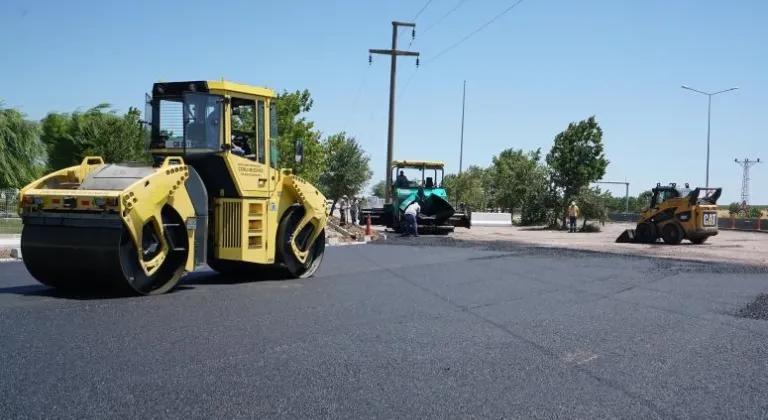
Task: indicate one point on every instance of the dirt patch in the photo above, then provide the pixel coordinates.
(348, 232)
(727, 246)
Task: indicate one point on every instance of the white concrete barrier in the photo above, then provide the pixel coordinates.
(491, 219)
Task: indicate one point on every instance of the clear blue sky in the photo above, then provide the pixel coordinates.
(542, 65)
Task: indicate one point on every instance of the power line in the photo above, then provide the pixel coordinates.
(416, 17)
(448, 13)
(485, 25)
(357, 95)
(407, 82)
(422, 9)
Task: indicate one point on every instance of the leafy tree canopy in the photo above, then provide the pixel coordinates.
(593, 204)
(472, 187)
(346, 167)
(577, 157)
(292, 126)
(514, 173)
(21, 152)
(98, 131)
(379, 189)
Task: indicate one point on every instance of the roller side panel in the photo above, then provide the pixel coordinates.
(214, 174)
(198, 194)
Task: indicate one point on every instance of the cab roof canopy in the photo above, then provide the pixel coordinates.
(417, 164)
(179, 88)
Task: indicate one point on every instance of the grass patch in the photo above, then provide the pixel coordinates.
(10, 226)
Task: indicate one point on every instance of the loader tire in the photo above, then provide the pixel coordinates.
(646, 233)
(672, 234)
(285, 231)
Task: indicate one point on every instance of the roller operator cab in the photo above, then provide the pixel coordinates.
(420, 181)
(214, 195)
(674, 215)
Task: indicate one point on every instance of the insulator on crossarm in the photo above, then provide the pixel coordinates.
(417, 61)
(370, 59)
(413, 33)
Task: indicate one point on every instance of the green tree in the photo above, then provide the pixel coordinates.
(379, 189)
(733, 208)
(576, 159)
(519, 179)
(21, 152)
(98, 131)
(471, 188)
(538, 199)
(642, 201)
(347, 167)
(593, 204)
(754, 212)
(292, 126)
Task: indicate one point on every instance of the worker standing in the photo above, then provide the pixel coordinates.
(353, 207)
(573, 214)
(343, 210)
(411, 213)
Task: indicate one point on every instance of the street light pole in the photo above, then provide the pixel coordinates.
(709, 119)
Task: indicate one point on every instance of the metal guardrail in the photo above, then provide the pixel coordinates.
(9, 203)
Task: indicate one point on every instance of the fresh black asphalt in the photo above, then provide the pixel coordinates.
(445, 331)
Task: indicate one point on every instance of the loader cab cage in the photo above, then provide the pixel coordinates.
(422, 174)
(194, 118)
(663, 193)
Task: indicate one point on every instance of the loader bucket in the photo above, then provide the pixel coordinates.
(627, 236)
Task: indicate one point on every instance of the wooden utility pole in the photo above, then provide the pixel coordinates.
(394, 53)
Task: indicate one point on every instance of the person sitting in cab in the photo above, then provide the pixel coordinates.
(402, 180)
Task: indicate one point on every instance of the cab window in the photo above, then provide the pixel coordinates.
(244, 127)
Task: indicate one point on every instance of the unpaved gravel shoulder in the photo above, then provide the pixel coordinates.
(727, 246)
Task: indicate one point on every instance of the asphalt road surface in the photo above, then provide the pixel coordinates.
(396, 332)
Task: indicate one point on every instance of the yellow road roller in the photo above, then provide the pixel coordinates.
(214, 195)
